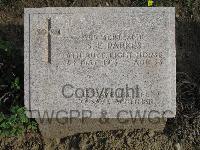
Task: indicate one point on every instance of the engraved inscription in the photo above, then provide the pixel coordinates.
(123, 46)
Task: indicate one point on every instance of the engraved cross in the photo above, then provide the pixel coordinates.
(48, 32)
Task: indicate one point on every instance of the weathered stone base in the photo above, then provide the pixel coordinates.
(59, 128)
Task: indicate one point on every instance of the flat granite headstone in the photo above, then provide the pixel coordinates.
(96, 63)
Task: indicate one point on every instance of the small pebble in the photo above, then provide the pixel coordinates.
(177, 146)
(151, 133)
(107, 4)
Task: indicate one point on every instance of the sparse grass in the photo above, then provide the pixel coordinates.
(16, 123)
(13, 120)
